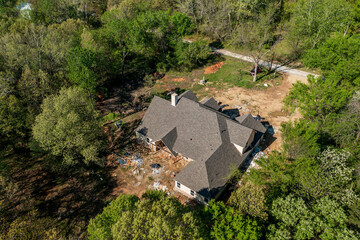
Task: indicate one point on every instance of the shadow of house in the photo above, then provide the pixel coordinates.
(210, 140)
(232, 113)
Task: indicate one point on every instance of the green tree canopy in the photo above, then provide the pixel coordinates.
(337, 57)
(249, 199)
(301, 138)
(182, 24)
(318, 98)
(191, 55)
(313, 21)
(29, 226)
(156, 216)
(100, 227)
(345, 126)
(326, 219)
(69, 127)
(33, 60)
(81, 63)
(326, 175)
(12, 119)
(47, 11)
(275, 172)
(227, 223)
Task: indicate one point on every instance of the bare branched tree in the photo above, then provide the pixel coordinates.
(257, 33)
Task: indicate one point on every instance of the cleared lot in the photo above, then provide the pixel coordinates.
(264, 98)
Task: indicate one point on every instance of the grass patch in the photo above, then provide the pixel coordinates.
(232, 73)
(177, 74)
(111, 117)
(132, 117)
(236, 73)
(165, 94)
(197, 87)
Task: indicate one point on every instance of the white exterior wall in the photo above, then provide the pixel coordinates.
(184, 188)
(187, 191)
(239, 148)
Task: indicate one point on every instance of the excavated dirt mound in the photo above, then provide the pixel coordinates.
(213, 68)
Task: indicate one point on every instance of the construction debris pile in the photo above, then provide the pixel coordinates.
(137, 170)
(159, 186)
(127, 160)
(256, 155)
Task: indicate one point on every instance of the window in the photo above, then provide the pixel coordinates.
(192, 193)
(178, 185)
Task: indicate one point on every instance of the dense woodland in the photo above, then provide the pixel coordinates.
(58, 57)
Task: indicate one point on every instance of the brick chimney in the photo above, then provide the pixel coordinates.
(174, 99)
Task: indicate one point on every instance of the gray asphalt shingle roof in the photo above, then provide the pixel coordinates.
(158, 120)
(249, 121)
(238, 134)
(201, 133)
(211, 102)
(189, 95)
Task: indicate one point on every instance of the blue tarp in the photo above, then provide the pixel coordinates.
(121, 162)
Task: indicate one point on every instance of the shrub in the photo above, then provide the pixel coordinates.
(191, 55)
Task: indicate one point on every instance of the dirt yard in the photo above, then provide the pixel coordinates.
(264, 100)
(267, 103)
(133, 178)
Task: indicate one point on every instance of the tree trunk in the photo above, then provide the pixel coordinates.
(357, 137)
(91, 99)
(346, 30)
(271, 62)
(255, 72)
(123, 67)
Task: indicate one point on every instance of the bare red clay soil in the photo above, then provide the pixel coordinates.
(214, 68)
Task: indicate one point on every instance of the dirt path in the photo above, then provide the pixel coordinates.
(267, 103)
(277, 67)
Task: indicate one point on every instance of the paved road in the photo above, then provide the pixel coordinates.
(278, 67)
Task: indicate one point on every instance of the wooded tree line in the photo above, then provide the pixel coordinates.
(54, 61)
(49, 51)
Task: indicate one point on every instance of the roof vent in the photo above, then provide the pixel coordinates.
(174, 99)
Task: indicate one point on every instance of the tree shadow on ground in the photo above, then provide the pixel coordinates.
(126, 135)
(83, 195)
(216, 44)
(71, 197)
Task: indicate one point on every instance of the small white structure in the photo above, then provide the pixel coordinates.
(174, 99)
(25, 9)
